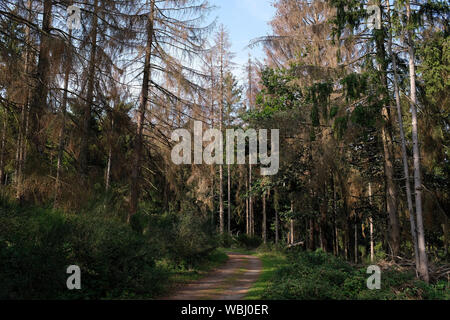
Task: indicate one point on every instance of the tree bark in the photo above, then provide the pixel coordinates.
(276, 227)
(386, 135)
(264, 222)
(84, 149)
(139, 140)
(403, 144)
(62, 132)
(371, 226)
(23, 126)
(423, 259)
(2, 150)
(229, 199)
(40, 92)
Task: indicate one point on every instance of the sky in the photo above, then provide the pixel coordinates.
(245, 20)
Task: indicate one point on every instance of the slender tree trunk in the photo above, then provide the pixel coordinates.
(403, 144)
(312, 245)
(336, 235)
(292, 224)
(40, 92)
(276, 227)
(2, 150)
(213, 168)
(62, 132)
(221, 209)
(264, 222)
(139, 140)
(42, 69)
(371, 225)
(423, 259)
(356, 241)
(386, 132)
(84, 149)
(108, 166)
(229, 199)
(247, 213)
(250, 201)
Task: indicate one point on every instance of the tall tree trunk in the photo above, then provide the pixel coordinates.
(139, 140)
(108, 166)
(336, 235)
(423, 259)
(371, 225)
(323, 220)
(229, 199)
(221, 99)
(403, 144)
(250, 201)
(292, 225)
(41, 89)
(62, 132)
(312, 245)
(386, 133)
(2, 150)
(264, 222)
(23, 126)
(276, 227)
(247, 213)
(86, 123)
(356, 240)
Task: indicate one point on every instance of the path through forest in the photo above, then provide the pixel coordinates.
(229, 282)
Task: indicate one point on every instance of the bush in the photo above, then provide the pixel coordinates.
(320, 276)
(38, 245)
(185, 239)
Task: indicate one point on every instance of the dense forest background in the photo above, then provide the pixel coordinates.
(86, 117)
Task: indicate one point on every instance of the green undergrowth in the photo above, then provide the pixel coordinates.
(117, 260)
(321, 276)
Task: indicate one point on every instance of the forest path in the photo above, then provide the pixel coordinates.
(229, 282)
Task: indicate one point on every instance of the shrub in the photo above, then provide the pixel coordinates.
(37, 246)
(318, 276)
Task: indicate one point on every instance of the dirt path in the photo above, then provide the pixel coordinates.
(229, 282)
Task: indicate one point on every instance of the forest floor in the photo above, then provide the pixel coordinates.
(231, 281)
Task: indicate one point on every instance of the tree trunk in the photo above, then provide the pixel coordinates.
(108, 166)
(403, 144)
(221, 209)
(386, 132)
(40, 92)
(139, 140)
(423, 259)
(264, 222)
(247, 217)
(23, 126)
(371, 225)
(84, 149)
(250, 202)
(312, 245)
(2, 150)
(336, 234)
(62, 132)
(229, 200)
(276, 227)
(292, 224)
(356, 240)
